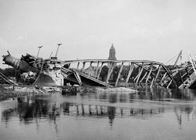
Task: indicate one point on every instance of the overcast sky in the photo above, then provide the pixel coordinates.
(139, 29)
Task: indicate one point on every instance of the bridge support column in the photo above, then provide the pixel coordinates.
(159, 68)
(119, 73)
(83, 66)
(100, 70)
(140, 74)
(130, 72)
(97, 69)
(109, 72)
(151, 67)
(78, 65)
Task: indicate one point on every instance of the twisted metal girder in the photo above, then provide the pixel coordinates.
(147, 72)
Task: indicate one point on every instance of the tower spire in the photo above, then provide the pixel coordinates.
(112, 53)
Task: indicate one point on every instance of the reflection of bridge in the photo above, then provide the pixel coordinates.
(142, 105)
(119, 73)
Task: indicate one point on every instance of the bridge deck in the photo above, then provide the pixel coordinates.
(81, 77)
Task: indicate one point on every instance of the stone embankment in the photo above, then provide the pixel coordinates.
(105, 90)
(71, 90)
(11, 91)
(7, 91)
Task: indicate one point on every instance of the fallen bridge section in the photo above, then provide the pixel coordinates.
(186, 77)
(120, 73)
(80, 78)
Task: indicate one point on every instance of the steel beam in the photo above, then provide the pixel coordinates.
(159, 68)
(83, 66)
(100, 70)
(163, 77)
(119, 73)
(170, 76)
(78, 65)
(140, 74)
(130, 72)
(152, 82)
(111, 67)
(169, 84)
(97, 69)
(143, 77)
(151, 67)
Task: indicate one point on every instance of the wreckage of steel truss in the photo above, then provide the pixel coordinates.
(107, 73)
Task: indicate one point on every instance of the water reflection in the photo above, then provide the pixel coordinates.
(145, 104)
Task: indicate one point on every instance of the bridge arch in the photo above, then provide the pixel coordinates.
(124, 72)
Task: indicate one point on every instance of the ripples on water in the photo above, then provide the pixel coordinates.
(148, 114)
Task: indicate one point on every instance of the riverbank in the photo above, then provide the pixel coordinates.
(11, 91)
(7, 91)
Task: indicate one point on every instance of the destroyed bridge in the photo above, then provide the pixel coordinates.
(100, 72)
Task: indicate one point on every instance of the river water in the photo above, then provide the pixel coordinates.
(149, 114)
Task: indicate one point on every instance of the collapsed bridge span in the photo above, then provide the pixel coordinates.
(103, 72)
(123, 72)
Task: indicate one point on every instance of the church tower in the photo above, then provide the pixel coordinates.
(112, 53)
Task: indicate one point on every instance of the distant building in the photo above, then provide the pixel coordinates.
(112, 56)
(112, 53)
